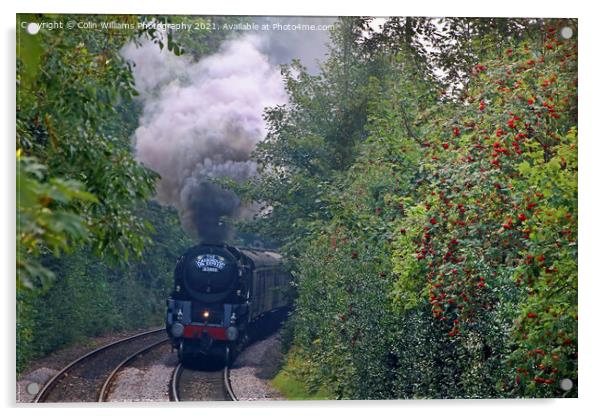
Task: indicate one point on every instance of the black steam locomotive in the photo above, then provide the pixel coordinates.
(221, 295)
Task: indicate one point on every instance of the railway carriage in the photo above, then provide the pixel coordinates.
(222, 295)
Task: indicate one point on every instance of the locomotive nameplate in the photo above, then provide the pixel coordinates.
(210, 263)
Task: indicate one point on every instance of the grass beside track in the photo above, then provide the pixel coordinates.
(292, 387)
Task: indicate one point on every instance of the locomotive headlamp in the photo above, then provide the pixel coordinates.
(206, 314)
(177, 330)
(232, 333)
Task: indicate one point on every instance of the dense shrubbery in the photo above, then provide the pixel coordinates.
(443, 261)
(93, 255)
(430, 222)
(74, 103)
(90, 297)
(496, 245)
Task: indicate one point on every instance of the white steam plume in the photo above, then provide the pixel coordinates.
(201, 120)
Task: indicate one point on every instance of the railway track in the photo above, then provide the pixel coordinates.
(109, 381)
(88, 378)
(91, 377)
(201, 384)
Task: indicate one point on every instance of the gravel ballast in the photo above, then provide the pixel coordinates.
(40, 371)
(254, 368)
(147, 379)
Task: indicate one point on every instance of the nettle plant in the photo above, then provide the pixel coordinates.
(492, 244)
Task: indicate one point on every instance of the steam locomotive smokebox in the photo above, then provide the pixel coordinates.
(209, 272)
(224, 296)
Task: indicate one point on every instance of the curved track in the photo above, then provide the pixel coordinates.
(106, 387)
(87, 378)
(201, 384)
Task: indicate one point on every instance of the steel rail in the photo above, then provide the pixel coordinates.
(173, 383)
(104, 391)
(41, 396)
(228, 384)
(227, 377)
(174, 395)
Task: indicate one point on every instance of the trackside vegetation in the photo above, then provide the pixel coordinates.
(427, 201)
(95, 253)
(422, 186)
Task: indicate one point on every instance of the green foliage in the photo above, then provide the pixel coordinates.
(69, 117)
(91, 298)
(311, 141)
(206, 36)
(46, 221)
(93, 255)
(425, 196)
(290, 381)
(447, 49)
(500, 195)
(440, 260)
(546, 334)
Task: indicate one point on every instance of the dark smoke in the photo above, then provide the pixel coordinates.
(210, 204)
(202, 120)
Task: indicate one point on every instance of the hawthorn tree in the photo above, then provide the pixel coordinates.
(442, 261)
(496, 222)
